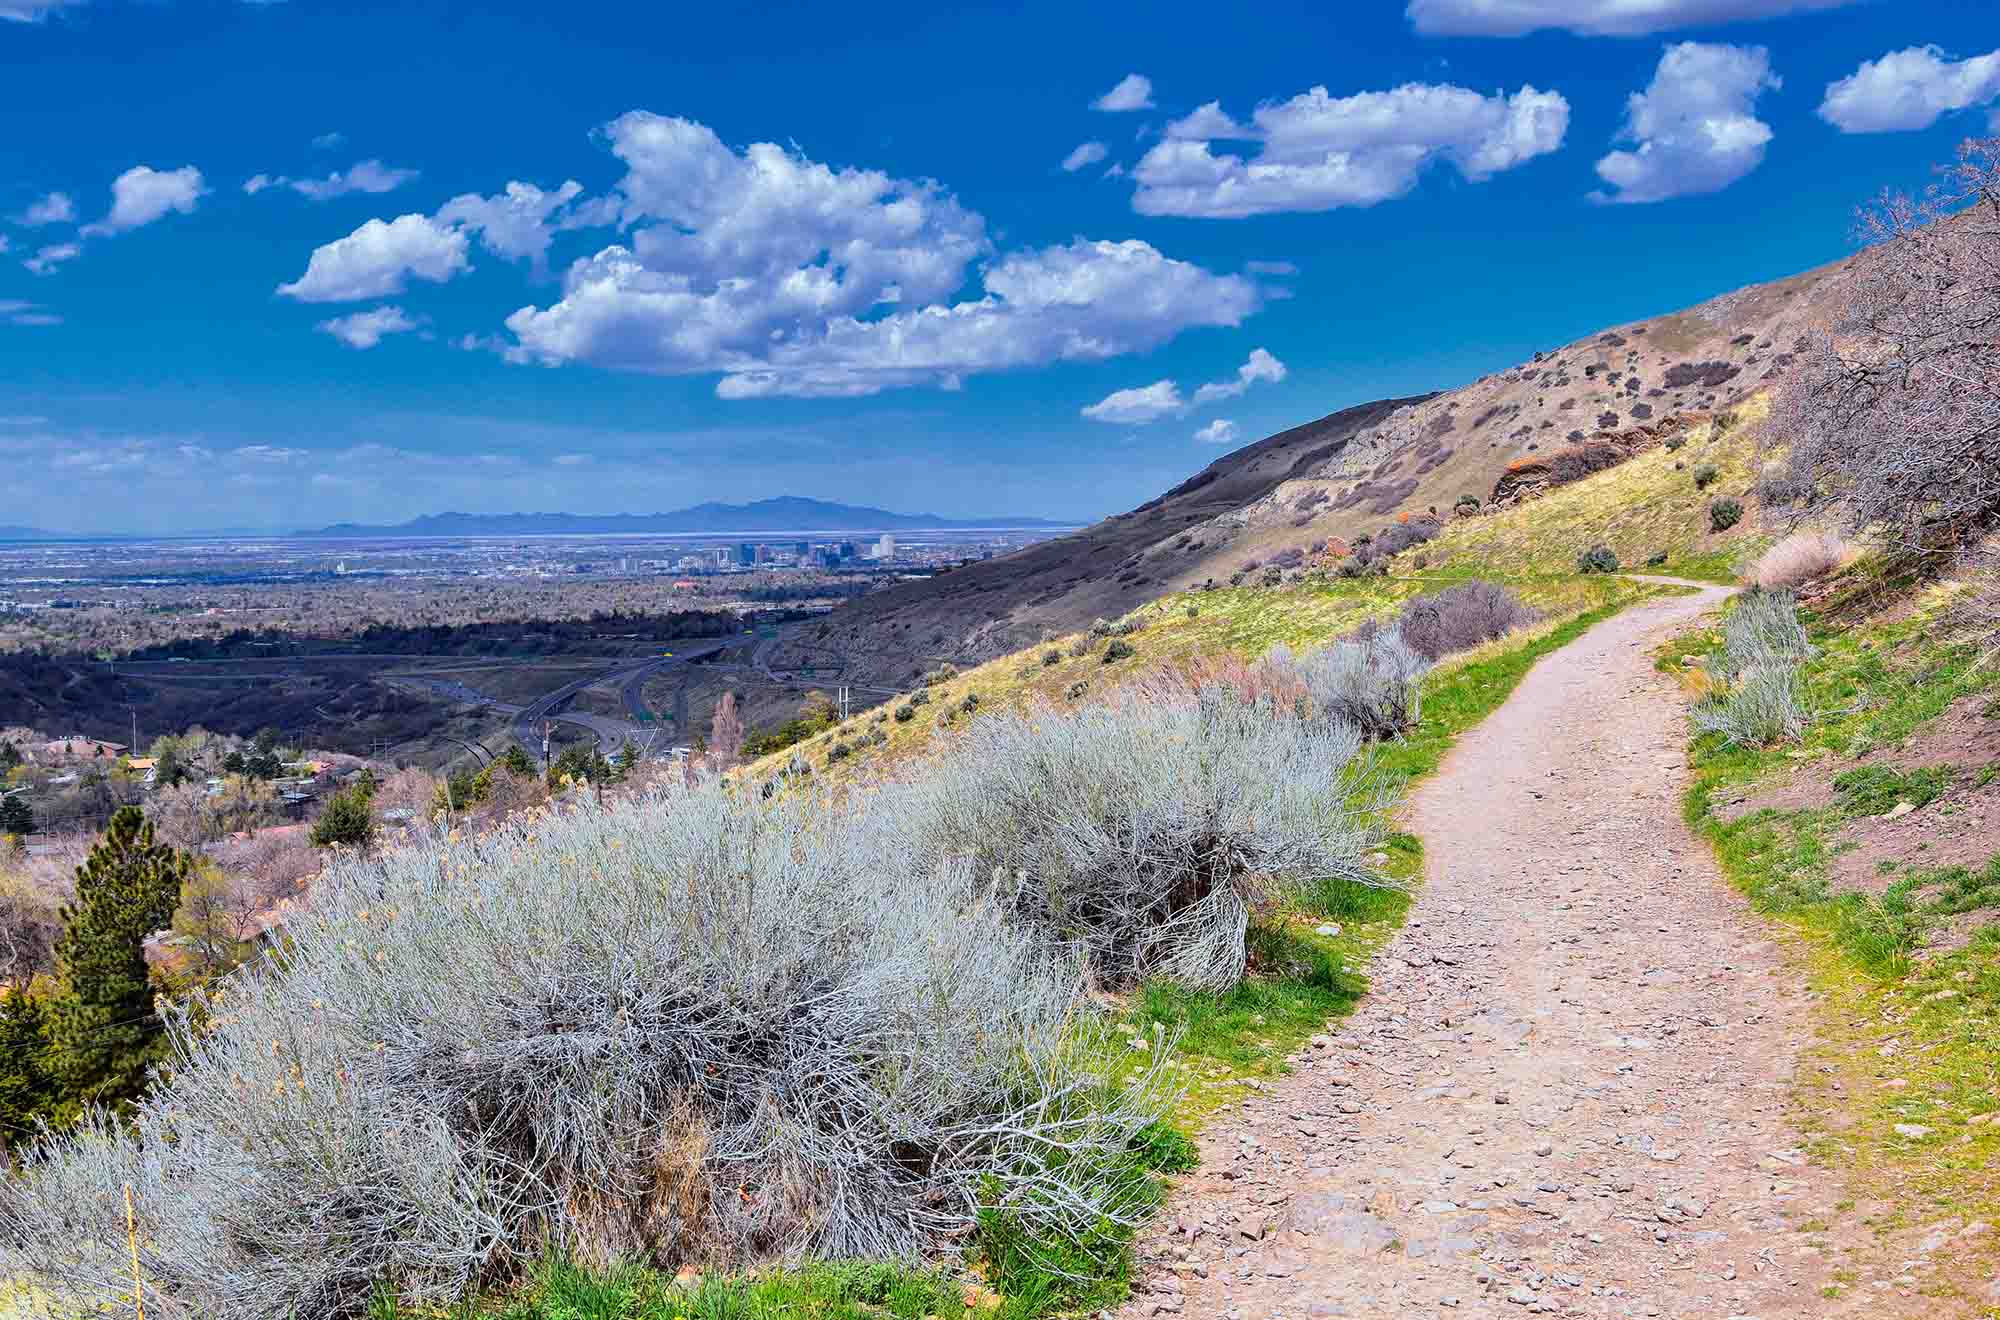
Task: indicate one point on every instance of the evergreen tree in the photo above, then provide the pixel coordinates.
(519, 764)
(581, 763)
(27, 1091)
(348, 819)
(102, 1030)
(168, 772)
(16, 816)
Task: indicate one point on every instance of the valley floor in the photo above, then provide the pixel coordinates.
(1567, 1091)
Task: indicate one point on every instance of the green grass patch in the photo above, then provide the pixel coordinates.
(1870, 790)
(1907, 1048)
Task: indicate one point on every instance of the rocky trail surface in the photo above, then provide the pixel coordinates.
(1566, 1092)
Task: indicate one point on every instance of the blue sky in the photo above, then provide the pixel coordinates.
(620, 258)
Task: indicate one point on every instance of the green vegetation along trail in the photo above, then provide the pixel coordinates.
(1567, 1090)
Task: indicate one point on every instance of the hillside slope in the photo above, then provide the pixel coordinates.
(1276, 501)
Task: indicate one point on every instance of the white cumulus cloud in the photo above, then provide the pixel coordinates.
(367, 329)
(1261, 367)
(367, 176)
(1088, 153)
(1207, 123)
(378, 259)
(54, 209)
(1694, 125)
(1594, 18)
(1133, 92)
(1149, 403)
(143, 194)
(1221, 431)
(1317, 151)
(514, 224)
(1909, 89)
(790, 277)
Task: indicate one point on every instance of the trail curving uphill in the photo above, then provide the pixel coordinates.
(1566, 1090)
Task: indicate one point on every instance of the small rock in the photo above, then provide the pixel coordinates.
(1545, 1150)
(1327, 928)
(1914, 1131)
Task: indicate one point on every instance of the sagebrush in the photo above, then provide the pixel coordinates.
(693, 1029)
(1141, 835)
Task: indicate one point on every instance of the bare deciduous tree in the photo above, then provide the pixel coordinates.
(725, 734)
(1893, 415)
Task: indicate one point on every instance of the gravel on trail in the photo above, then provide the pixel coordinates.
(1566, 1090)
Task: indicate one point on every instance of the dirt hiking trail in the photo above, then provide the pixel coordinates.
(1565, 1092)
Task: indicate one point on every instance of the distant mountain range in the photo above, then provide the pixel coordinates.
(789, 513)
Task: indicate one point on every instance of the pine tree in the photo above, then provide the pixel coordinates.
(518, 762)
(16, 816)
(27, 1091)
(102, 1030)
(168, 771)
(347, 819)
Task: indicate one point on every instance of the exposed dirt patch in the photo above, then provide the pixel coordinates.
(1963, 736)
(1959, 829)
(1805, 789)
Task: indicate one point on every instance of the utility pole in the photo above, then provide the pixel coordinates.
(547, 726)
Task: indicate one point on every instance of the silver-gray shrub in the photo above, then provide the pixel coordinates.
(1762, 706)
(1762, 629)
(1142, 834)
(1373, 683)
(690, 1029)
(1758, 698)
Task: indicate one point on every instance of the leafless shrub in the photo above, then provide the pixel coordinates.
(30, 921)
(1460, 618)
(725, 734)
(1799, 559)
(1394, 539)
(1250, 680)
(411, 790)
(1895, 424)
(694, 1030)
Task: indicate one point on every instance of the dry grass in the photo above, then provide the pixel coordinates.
(1641, 508)
(1800, 558)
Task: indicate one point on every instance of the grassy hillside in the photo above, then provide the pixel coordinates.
(1643, 508)
(1349, 474)
(1874, 841)
(1247, 621)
